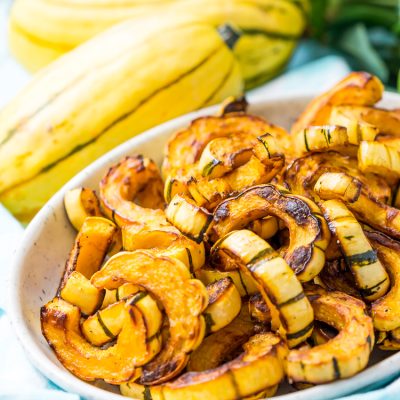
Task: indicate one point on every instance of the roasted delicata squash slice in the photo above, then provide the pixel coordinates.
(382, 121)
(90, 248)
(131, 193)
(79, 204)
(186, 146)
(357, 129)
(324, 138)
(379, 158)
(106, 324)
(344, 355)
(78, 291)
(244, 283)
(308, 239)
(304, 172)
(366, 208)
(385, 310)
(121, 293)
(166, 241)
(184, 299)
(358, 88)
(224, 303)
(259, 367)
(116, 364)
(291, 312)
(192, 220)
(370, 276)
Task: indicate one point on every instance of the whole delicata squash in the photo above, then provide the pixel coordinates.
(345, 354)
(184, 300)
(257, 368)
(308, 237)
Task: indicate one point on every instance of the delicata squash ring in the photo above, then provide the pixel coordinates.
(259, 367)
(353, 193)
(308, 237)
(291, 312)
(61, 328)
(134, 178)
(385, 310)
(369, 274)
(184, 299)
(344, 355)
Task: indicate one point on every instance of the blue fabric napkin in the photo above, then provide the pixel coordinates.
(19, 380)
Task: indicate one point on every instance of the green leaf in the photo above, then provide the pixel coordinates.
(355, 42)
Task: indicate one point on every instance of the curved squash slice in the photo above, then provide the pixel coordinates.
(81, 203)
(90, 248)
(116, 364)
(192, 220)
(385, 310)
(304, 172)
(134, 178)
(344, 355)
(358, 88)
(183, 299)
(379, 159)
(224, 304)
(244, 283)
(166, 241)
(259, 367)
(369, 274)
(291, 312)
(186, 146)
(106, 324)
(366, 208)
(324, 138)
(378, 119)
(305, 253)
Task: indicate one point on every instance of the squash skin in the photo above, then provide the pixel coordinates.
(354, 194)
(369, 274)
(344, 355)
(291, 312)
(184, 299)
(259, 367)
(357, 88)
(385, 311)
(308, 239)
(117, 364)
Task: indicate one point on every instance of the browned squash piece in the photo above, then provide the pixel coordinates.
(224, 303)
(385, 311)
(259, 310)
(90, 248)
(131, 192)
(308, 239)
(116, 364)
(344, 355)
(385, 121)
(358, 88)
(186, 146)
(354, 194)
(216, 348)
(81, 203)
(259, 367)
(184, 299)
(304, 172)
(389, 340)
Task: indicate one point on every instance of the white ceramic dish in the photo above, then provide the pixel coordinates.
(41, 257)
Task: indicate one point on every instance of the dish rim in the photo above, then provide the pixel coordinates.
(383, 370)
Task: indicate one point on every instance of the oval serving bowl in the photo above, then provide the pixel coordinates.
(40, 260)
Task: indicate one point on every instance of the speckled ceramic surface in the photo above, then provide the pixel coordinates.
(41, 257)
